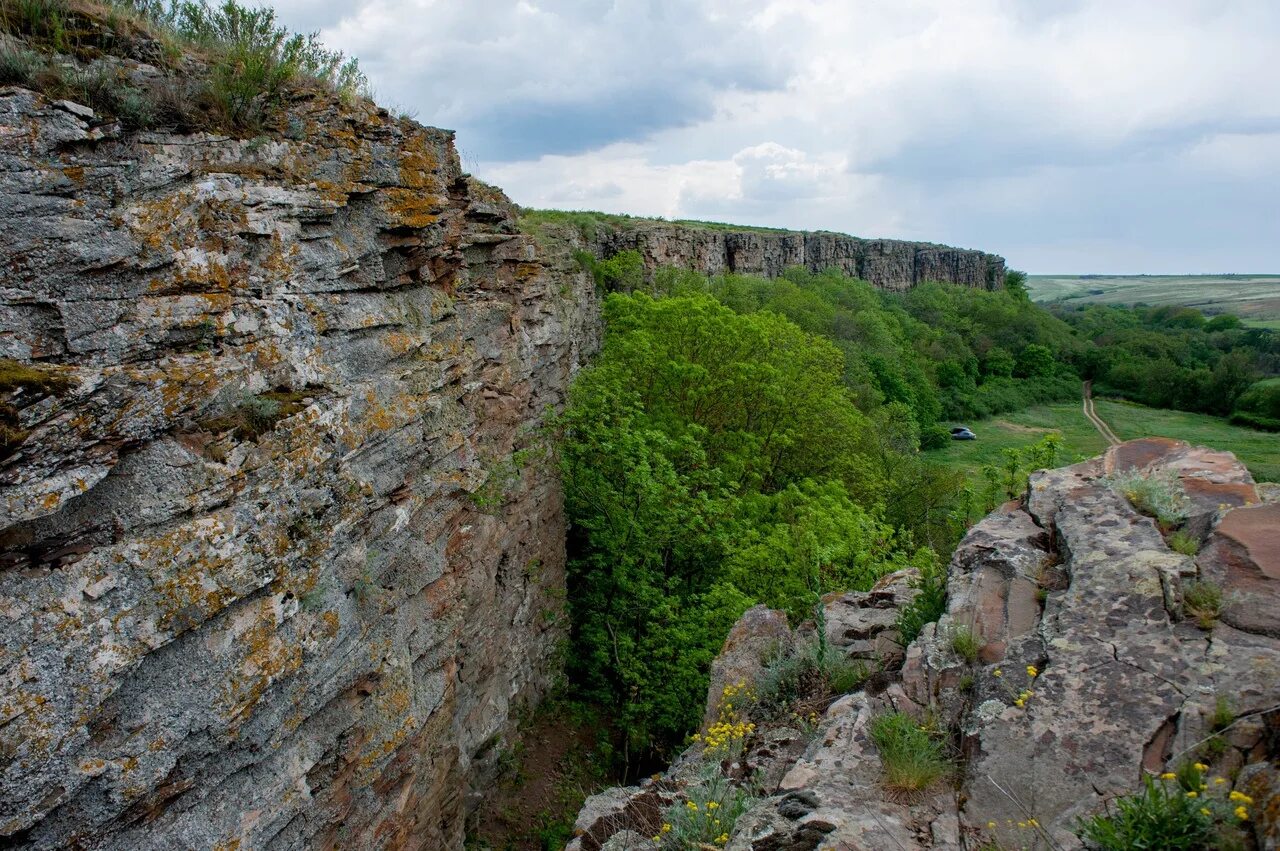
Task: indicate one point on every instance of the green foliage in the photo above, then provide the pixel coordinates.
(1184, 542)
(242, 62)
(912, 757)
(1158, 496)
(1178, 811)
(809, 673)
(707, 817)
(1015, 282)
(1223, 715)
(711, 460)
(965, 643)
(1202, 600)
(928, 605)
(1259, 406)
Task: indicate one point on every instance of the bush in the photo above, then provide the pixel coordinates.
(809, 675)
(1178, 811)
(927, 606)
(912, 758)
(1158, 496)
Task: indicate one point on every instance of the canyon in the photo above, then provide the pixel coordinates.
(283, 544)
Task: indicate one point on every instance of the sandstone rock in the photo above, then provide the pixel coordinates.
(761, 633)
(1261, 782)
(1243, 557)
(862, 624)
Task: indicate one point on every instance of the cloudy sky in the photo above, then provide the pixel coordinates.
(1069, 135)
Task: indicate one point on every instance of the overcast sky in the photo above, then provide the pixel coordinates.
(1068, 135)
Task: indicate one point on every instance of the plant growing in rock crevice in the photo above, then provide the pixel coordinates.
(1179, 811)
(912, 757)
(1155, 495)
(1202, 600)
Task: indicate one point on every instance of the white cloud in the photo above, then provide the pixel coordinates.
(1067, 135)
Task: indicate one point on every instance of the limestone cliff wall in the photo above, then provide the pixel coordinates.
(887, 263)
(278, 553)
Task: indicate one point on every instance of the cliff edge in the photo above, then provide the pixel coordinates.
(280, 545)
(1090, 666)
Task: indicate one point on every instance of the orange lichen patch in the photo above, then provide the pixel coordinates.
(268, 657)
(400, 343)
(527, 271)
(412, 208)
(74, 172)
(417, 163)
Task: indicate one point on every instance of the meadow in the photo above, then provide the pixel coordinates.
(1254, 298)
(1259, 450)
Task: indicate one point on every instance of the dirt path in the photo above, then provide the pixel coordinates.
(1092, 416)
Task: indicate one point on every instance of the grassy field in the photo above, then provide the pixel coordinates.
(1254, 298)
(1259, 450)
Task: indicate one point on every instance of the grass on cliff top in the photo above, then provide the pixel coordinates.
(589, 222)
(222, 67)
(1259, 450)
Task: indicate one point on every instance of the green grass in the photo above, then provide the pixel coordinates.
(1254, 298)
(1259, 450)
(1016, 431)
(912, 758)
(588, 221)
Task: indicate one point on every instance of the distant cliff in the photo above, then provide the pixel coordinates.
(713, 249)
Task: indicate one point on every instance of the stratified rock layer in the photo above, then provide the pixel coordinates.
(278, 565)
(887, 263)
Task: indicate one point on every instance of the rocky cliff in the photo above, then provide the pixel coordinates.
(1088, 670)
(280, 549)
(886, 263)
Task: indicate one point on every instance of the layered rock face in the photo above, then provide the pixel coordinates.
(886, 263)
(1089, 672)
(280, 550)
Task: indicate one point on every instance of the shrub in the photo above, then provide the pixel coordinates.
(708, 815)
(808, 675)
(1184, 542)
(927, 606)
(1178, 811)
(1158, 496)
(912, 758)
(1203, 601)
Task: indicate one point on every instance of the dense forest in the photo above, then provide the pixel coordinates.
(742, 440)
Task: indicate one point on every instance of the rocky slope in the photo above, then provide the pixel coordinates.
(1088, 674)
(886, 263)
(279, 551)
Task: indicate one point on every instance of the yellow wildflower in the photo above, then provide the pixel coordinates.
(711, 805)
(1242, 814)
(1204, 811)
(666, 828)
(1033, 671)
(692, 806)
(997, 673)
(1218, 781)
(1240, 798)
(1033, 822)
(991, 825)
(1200, 766)
(1168, 775)
(1193, 794)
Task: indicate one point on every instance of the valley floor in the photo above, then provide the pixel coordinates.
(1259, 450)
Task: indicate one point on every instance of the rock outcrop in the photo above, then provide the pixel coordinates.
(280, 551)
(1083, 674)
(886, 263)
